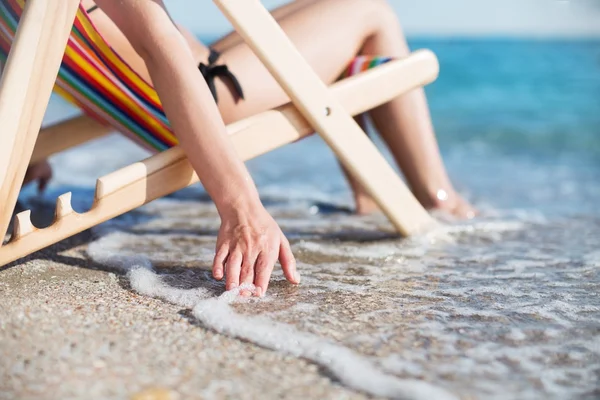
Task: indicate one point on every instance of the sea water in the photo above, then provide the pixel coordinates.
(504, 306)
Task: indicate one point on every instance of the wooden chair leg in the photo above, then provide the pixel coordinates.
(312, 98)
(25, 88)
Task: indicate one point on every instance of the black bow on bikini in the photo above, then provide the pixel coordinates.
(211, 71)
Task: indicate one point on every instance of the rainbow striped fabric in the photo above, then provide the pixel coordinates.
(94, 78)
(363, 63)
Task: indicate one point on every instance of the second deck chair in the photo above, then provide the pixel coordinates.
(113, 97)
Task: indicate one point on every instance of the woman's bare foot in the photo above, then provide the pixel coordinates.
(41, 173)
(449, 202)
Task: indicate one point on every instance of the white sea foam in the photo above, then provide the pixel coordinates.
(148, 283)
(483, 312)
(350, 368)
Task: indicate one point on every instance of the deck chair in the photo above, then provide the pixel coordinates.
(114, 98)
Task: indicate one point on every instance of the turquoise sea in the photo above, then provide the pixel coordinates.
(503, 307)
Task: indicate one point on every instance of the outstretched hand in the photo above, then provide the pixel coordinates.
(248, 246)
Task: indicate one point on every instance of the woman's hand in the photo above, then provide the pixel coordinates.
(41, 173)
(249, 244)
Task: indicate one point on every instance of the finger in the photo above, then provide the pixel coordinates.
(247, 272)
(42, 184)
(262, 271)
(287, 261)
(232, 269)
(219, 262)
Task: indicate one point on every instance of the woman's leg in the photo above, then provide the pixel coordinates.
(329, 33)
(405, 125)
(314, 30)
(233, 38)
(365, 204)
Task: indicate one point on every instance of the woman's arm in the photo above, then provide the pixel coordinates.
(249, 237)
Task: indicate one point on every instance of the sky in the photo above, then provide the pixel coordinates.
(523, 18)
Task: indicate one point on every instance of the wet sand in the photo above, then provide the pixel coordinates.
(68, 330)
(486, 310)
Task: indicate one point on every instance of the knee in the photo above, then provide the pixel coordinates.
(378, 14)
(383, 14)
(385, 31)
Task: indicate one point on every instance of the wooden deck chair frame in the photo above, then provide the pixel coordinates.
(31, 70)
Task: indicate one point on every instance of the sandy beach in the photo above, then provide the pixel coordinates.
(69, 330)
(133, 311)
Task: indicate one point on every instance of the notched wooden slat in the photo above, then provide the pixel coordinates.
(22, 225)
(63, 207)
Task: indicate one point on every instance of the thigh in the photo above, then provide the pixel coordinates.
(233, 38)
(328, 33)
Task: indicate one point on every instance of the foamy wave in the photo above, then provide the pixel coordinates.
(352, 369)
(484, 311)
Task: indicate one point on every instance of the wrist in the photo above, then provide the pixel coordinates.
(242, 203)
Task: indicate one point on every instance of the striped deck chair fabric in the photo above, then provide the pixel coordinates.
(94, 78)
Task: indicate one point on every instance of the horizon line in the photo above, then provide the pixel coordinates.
(470, 36)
